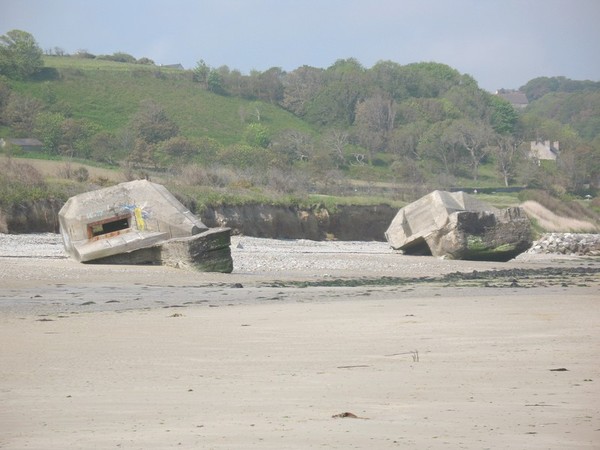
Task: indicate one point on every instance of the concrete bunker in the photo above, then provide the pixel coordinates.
(141, 222)
(459, 226)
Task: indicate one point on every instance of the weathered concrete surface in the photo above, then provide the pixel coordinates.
(459, 226)
(208, 251)
(140, 222)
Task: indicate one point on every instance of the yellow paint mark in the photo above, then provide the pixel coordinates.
(139, 219)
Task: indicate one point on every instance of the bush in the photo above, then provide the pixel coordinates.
(80, 174)
(243, 156)
(194, 175)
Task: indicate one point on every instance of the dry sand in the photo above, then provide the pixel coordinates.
(152, 357)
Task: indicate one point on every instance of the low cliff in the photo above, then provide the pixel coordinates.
(346, 223)
(39, 216)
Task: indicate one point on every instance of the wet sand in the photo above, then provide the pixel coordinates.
(153, 357)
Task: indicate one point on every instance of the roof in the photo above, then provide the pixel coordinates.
(516, 98)
(27, 142)
(173, 66)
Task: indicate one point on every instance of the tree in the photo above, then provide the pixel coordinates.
(475, 138)
(48, 129)
(65, 136)
(538, 87)
(266, 86)
(142, 155)
(76, 134)
(300, 86)
(438, 144)
(508, 155)
(214, 82)
(270, 86)
(201, 72)
(504, 116)
(20, 55)
(429, 79)
(257, 135)
(58, 51)
(211, 79)
(152, 125)
(118, 57)
(245, 156)
(470, 101)
(232, 80)
(105, 147)
(84, 54)
(20, 114)
(334, 105)
(178, 148)
(374, 121)
(336, 141)
(208, 149)
(5, 93)
(344, 84)
(388, 76)
(430, 110)
(404, 140)
(145, 61)
(293, 145)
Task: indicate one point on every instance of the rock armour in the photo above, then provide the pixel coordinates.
(577, 244)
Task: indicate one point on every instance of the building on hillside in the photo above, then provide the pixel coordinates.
(31, 144)
(172, 66)
(516, 98)
(546, 150)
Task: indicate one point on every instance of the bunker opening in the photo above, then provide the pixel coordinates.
(418, 247)
(108, 226)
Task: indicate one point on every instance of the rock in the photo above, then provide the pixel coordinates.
(574, 244)
(459, 226)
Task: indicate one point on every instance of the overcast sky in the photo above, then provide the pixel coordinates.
(501, 43)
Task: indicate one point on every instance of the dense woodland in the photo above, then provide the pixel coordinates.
(326, 130)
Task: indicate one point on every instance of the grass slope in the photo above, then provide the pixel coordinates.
(110, 93)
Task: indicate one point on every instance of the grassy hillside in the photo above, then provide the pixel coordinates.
(109, 94)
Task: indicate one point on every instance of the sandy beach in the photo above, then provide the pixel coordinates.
(304, 345)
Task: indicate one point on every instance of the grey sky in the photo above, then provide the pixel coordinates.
(501, 43)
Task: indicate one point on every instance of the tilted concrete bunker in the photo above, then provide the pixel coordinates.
(459, 226)
(140, 222)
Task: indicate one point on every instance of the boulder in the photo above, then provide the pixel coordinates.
(456, 225)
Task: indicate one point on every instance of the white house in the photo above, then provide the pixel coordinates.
(544, 150)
